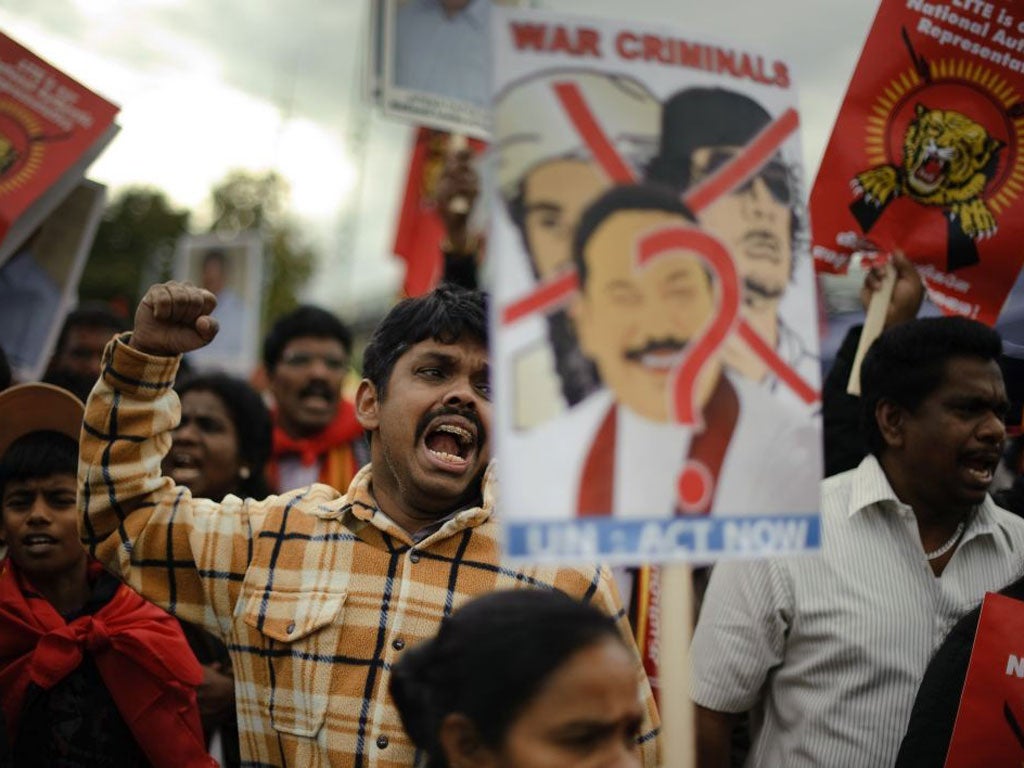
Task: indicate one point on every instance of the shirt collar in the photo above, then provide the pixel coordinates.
(871, 486)
(359, 504)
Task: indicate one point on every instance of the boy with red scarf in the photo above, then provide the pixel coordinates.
(316, 436)
(90, 673)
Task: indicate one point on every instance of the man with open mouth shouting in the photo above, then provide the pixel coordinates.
(319, 591)
(827, 651)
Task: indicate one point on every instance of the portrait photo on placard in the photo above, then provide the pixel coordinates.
(232, 269)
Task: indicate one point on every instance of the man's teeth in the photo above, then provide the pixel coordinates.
(661, 360)
(447, 456)
(464, 435)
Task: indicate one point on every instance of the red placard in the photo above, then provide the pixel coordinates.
(925, 155)
(989, 728)
(50, 127)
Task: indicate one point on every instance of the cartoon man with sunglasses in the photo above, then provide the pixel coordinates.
(702, 129)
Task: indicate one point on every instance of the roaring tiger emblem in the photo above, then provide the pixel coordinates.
(948, 159)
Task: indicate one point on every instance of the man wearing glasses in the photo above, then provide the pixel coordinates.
(702, 129)
(316, 435)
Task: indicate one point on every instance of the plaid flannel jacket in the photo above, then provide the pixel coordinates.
(316, 593)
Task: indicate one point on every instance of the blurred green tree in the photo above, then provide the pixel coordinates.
(134, 247)
(246, 200)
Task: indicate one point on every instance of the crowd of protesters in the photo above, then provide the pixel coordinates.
(191, 577)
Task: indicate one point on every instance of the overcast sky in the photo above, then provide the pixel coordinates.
(210, 85)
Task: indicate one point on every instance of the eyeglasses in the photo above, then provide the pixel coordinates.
(307, 359)
(774, 174)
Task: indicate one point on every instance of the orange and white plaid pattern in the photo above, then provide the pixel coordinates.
(316, 593)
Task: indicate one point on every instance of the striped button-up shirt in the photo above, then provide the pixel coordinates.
(316, 593)
(827, 650)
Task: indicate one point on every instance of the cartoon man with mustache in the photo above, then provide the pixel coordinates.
(636, 322)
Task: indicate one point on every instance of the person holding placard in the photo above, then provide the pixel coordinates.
(826, 651)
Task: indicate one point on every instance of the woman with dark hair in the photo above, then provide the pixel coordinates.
(223, 441)
(220, 447)
(522, 679)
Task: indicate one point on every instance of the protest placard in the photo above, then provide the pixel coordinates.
(655, 352)
(231, 266)
(39, 283)
(435, 64)
(989, 727)
(51, 129)
(925, 153)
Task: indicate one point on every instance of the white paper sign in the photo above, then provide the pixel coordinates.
(654, 309)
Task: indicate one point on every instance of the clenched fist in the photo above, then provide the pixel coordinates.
(174, 318)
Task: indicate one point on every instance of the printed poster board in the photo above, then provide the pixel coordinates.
(989, 729)
(231, 267)
(925, 154)
(39, 283)
(429, 62)
(656, 374)
(51, 129)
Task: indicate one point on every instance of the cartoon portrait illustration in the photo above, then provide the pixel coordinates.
(547, 176)
(670, 430)
(948, 160)
(702, 130)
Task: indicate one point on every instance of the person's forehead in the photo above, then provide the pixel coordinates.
(203, 400)
(61, 480)
(547, 179)
(89, 334)
(313, 344)
(964, 373)
(467, 348)
(628, 224)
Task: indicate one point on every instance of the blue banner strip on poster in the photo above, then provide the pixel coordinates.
(698, 539)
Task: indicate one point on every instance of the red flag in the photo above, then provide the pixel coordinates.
(420, 229)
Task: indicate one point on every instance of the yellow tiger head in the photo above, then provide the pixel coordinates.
(942, 151)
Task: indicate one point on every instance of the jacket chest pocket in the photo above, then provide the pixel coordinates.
(300, 631)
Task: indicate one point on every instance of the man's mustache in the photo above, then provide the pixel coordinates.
(469, 414)
(318, 388)
(667, 345)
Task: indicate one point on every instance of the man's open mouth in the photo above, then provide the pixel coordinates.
(451, 440)
(980, 468)
(35, 542)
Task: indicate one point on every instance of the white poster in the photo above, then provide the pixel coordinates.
(434, 68)
(656, 332)
(232, 268)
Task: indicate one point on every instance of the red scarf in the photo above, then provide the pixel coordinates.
(139, 650)
(344, 428)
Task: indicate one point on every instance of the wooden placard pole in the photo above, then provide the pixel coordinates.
(678, 721)
(873, 324)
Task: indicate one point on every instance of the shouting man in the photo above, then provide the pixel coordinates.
(318, 592)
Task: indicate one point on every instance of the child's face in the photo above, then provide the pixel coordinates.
(39, 524)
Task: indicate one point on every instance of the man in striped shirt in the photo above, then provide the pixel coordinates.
(826, 651)
(318, 592)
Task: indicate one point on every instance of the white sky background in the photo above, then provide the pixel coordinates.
(206, 86)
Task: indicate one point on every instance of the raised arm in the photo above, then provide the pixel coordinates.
(185, 554)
